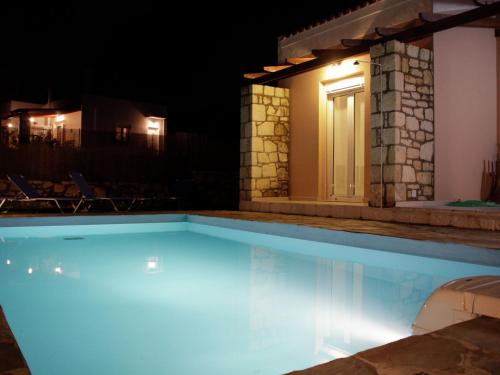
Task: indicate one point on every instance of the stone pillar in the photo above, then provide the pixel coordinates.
(408, 124)
(264, 142)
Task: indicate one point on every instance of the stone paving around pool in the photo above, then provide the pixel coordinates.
(471, 347)
(11, 359)
(471, 237)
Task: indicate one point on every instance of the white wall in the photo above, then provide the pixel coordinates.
(465, 101)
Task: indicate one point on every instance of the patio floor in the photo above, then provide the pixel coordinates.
(466, 348)
(471, 237)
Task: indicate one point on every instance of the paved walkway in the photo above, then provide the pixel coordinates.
(472, 237)
(472, 347)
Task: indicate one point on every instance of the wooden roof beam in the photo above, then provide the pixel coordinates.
(276, 68)
(299, 60)
(387, 31)
(255, 75)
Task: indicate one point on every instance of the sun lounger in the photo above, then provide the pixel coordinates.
(86, 193)
(28, 194)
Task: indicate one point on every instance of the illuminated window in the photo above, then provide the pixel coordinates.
(122, 134)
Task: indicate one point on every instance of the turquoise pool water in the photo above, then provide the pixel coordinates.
(189, 298)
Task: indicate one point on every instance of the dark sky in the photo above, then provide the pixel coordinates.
(189, 56)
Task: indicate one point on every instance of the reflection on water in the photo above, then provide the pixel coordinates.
(185, 303)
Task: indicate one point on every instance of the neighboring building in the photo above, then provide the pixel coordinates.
(337, 129)
(95, 121)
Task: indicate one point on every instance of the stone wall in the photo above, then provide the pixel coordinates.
(408, 123)
(264, 139)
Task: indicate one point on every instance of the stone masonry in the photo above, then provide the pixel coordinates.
(408, 123)
(264, 139)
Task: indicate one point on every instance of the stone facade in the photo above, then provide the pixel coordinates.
(408, 124)
(264, 140)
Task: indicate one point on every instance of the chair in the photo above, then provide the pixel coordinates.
(28, 194)
(86, 193)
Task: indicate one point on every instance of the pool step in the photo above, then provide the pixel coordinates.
(458, 301)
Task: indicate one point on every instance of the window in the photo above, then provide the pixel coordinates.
(122, 134)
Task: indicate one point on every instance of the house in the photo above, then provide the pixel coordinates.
(92, 121)
(394, 103)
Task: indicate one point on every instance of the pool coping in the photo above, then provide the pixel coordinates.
(369, 240)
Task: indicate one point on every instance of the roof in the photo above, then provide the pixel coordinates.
(426, 25)
(339, 14)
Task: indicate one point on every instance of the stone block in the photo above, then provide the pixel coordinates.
(420, 136)
(429, 114)
(397, 154)
(411, 123)
(269, 170)
(269, 90)
(428, 166)
(413, 63)
(412, 50)
(417, 164)
(423, 104)
(245, 90)
(394, 46)
(424, 178)
(408, 111)
(419, 113)
(263, 158)
(391, 62)
(269, 146)
(244, 114)
(427, 126)
(392, 173)
(275, 101)
(255, 172)
(266, 128)
(396, 119)
(262, 184)
(409, 87)
(280, 130)
(282, 174)
(428, 79)
(405, 67)
(408, 174)
(416, 72)
(391, 136)
(392, 101)
(279, 92)
(282, 147)
(257, 89)
(266, 100)
(427, 151)
(283, 157)
(284, 102)
(256, 144)
(375, 83)
(424, 54)
(408, 102)
(412, 153)
(375, 155)
(273, 157)
(377, 51)
(258, 112)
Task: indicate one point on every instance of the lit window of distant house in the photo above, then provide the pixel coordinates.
(122, 134)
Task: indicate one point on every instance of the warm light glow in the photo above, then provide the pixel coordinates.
(58, 270)
(9, 125)
(30, 271)
(153, 125)
(60, 118)
(342, 69)
(7, 262)
(345, 84)
(32, 119)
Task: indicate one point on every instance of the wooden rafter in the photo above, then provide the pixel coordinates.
(431, 17)
(299, 60)
(276, 68)
(386, 31)
(255, 75)
(325, 52)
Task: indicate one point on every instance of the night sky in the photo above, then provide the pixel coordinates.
(190, 58)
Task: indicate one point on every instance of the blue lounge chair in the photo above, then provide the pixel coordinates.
(86, 193)
(28, 194)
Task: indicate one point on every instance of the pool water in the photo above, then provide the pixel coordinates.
(185, 298)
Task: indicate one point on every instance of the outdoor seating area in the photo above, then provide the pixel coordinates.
(85, 199)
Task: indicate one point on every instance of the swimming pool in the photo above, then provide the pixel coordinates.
(182, 294)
